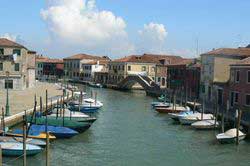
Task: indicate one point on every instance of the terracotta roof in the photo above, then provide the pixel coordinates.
(94, 62)
(182, 62)
(241, 51)
(244, 62)
(85, 56)
(148, 58)
(8, 43)
(47, 60)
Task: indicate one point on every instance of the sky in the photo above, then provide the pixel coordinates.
(115, 28)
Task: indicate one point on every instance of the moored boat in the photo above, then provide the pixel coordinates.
(230, 136)
(37, 135)
(188, 120)
(177, 116)
(16, 149)
(170, 109)
(205, 124)
(31, 141)
(61, 122)
(72, 115)
(59, 132)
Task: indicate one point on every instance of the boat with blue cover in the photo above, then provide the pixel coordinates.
(31, 141)
(177, 116)
(60, 122)
(16, 149)
(58, 132)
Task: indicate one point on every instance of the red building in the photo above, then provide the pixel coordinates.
(185, 75)
(238, 88)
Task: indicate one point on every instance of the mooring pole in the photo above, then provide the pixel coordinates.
(24, 142)
(222, 122)
(238, 126)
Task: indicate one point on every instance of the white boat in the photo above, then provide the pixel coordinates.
(230, 136)
(177, 116)
(162, 104)
(16, 149)
(92, 102)
(205, 124)
(188, 120)
(68, 113)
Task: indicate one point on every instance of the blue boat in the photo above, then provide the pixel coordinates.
(16, 149)
(84, 109)
(177, 116)
(58, 132)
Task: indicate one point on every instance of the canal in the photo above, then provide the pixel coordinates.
(129, 133)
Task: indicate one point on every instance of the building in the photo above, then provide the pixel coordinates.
(237, 90)
(151, 65)
(215, 70)
(17, 66)
(77, 67)
(91, 67)
(48, 69)
(184, 75)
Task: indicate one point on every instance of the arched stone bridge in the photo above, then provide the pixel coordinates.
(147, 83)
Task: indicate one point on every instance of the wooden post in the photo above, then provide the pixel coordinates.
(1, 157)
(238, 126)
(194, 105)
(186, 97)
(222, 122)
(227, 111)
(46, 100)
(216, 112)
(95, 97)
(3, 121)
(63, 110)
(181, 102)
(41, 105)
(24, 143)
(203, 107)
(57, 108)
(47, 143)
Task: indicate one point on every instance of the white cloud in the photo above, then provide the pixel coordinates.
(9, 36)
(80, 23)
(152, 38)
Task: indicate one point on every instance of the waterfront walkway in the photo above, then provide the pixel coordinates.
(23, 100)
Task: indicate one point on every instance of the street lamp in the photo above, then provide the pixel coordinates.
(7, 107)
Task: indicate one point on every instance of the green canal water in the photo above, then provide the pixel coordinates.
(129, 133)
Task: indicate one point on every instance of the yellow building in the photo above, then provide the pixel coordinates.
(215, 69)
(151, 65)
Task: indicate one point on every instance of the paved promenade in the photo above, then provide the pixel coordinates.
(23, 100)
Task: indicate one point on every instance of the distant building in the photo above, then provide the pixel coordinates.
(215, 70)
(48, 69)
(185, 76)
(81, 67)
(91, 67)
(19, 62)
(153, 66)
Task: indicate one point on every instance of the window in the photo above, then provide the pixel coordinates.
(1, 66)
(143, 68)
(1, 51)
(237, 79)
(17, 51)
(122, 67)
(248, 99)
(236, 97)
(9, 84)
(159, 79)
(129, 68)
(16, 66)
(248, 76)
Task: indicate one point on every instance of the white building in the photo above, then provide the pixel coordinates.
(90, 67)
